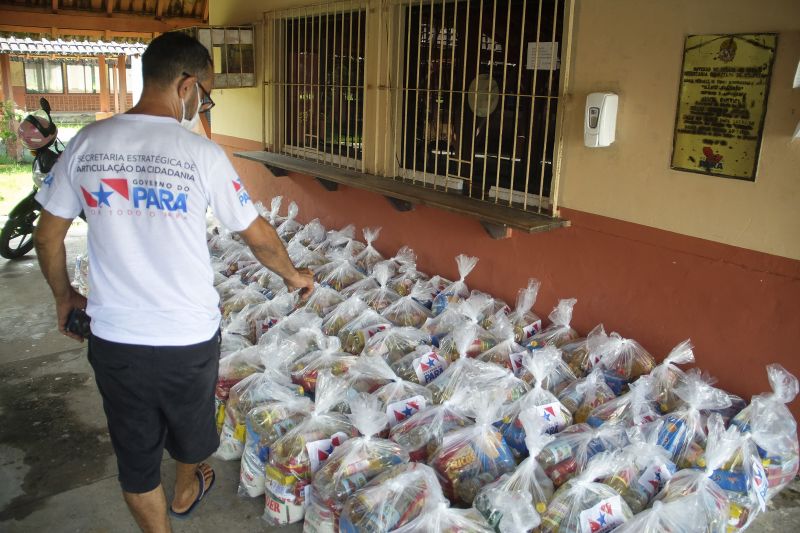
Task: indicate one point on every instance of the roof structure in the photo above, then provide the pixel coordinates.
(28, 46)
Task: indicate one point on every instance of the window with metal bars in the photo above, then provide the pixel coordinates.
(322, 86)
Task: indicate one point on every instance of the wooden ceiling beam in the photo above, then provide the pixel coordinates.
(91, 21)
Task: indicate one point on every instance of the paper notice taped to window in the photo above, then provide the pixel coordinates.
(542, 56)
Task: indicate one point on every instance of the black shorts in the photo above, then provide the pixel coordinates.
(156, 397)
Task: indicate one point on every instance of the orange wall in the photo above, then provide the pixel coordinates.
(741, 308)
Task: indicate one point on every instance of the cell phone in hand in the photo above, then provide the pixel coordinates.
(78, 323)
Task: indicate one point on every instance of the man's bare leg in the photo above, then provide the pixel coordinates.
(149, 509)
(187, 485)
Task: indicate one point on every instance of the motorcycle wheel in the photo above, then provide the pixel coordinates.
(16, 237)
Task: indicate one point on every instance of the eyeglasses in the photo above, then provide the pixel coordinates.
(206, 103)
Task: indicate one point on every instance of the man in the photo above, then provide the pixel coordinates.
(145, 183)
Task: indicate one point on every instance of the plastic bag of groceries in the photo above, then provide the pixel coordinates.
(80, 279)
(369, 256)
(635, 407)
(355, 334)
(305, 370)
(716, 508)
(470, 315)
(584, 504)
(541, 365)
(422, 433)
(623, 360)
(682, 515)
(382, 297)
(249, 295)
(256, 319)
(457, 290)
(573, 448)
(339, 274)
(265, 424)
(559, 331)
(289, 227)
(342, 314)
(644, 469)
(513, 503)
(667, 376)
(507, 352)
(472, 457)
(421, 366)
(356, 462)
(391, 500)
(323, 300)
(585, 394)
(407, 311)
(582, 355)
(683, 432)
(443, 519)
(395, 343)
(297, 455)
(773, 429)
(553, 372)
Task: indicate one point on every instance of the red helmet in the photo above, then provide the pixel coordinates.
(37, 132)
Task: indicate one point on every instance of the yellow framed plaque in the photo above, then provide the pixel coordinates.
(722, 103)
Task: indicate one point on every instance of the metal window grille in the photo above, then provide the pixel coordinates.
(319, 79)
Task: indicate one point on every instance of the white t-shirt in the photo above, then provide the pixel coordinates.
(145, 184)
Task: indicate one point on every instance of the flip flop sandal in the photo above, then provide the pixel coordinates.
(203, 491)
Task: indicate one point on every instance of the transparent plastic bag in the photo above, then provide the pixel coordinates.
(407, 311)
(344, 313)
(306, 370)
(289, 227)
(265, 424)
(382, 297)
(585, 394)
(457, 290)
(514, 502)
(369, 257)
(323, 300)
(302, 451)
(635, 407)
(773, 429)
(666, 376)
(559, 331)
(507, 352)
(585, 505)
(391, 500)
(472, 457)
(353, 464)
(395, 343)
(355, 334)
(443, 519)
(572, 449)
(422, 433)
(683, 432)
(623, 361)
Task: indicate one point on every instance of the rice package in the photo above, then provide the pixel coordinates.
(297, 455)
(391, 500)
(559, 331)
(667, 376)
(474, 456)
(305, 370)
(457, 290)
(773, 429)
(584, 505)
(513, 503)
(355, 463)
(369, 256)
(583, 395)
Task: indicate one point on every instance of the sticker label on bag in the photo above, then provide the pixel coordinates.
(399, 411)
(760, 483)
(553, 415)
(515, 359)
(604, 516)
(429, 367)
(320, 450)
(532, 329)
(655, 477)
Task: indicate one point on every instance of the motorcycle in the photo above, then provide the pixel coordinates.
(40, 136)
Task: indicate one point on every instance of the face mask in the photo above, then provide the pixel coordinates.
(191, 124)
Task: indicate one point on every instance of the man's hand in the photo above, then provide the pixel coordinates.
(63, 306)
(303, 280)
